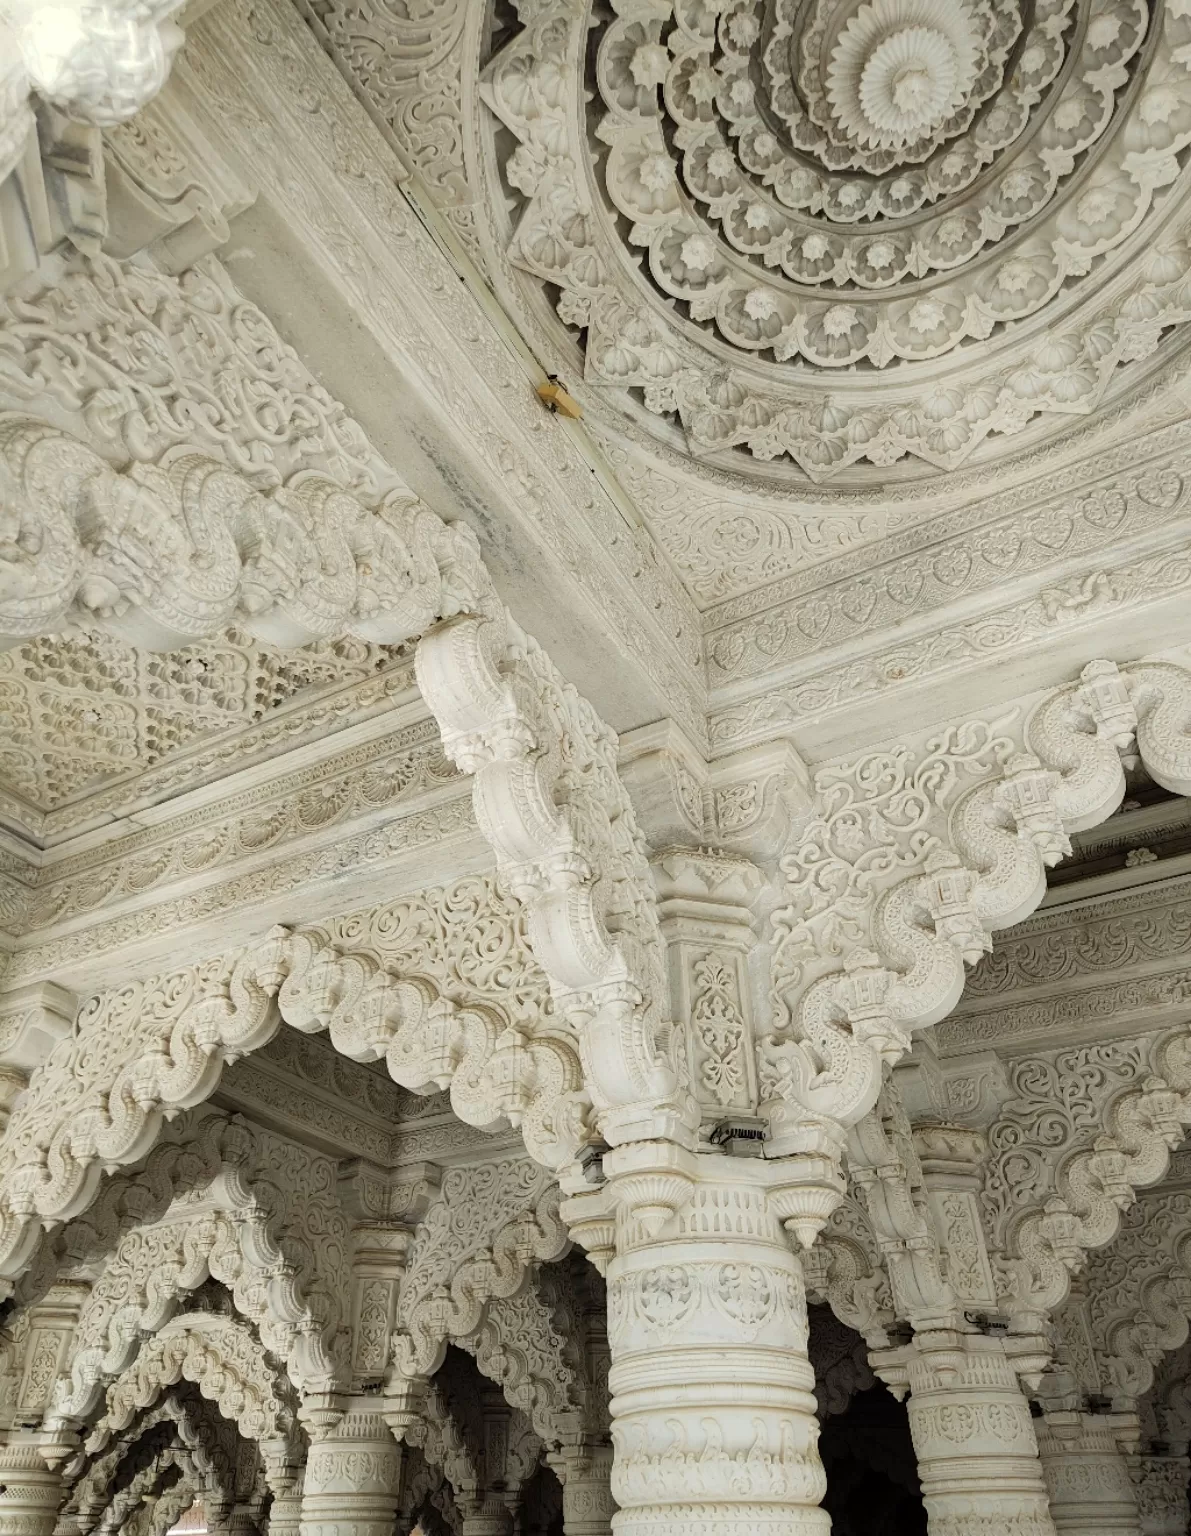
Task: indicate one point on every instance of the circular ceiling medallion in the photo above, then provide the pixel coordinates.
(844, 230)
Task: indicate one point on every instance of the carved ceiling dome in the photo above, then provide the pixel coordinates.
(840, 230)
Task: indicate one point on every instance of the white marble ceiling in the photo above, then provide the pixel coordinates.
(838, 234)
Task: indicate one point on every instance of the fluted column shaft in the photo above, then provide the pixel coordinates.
(1087, 1474)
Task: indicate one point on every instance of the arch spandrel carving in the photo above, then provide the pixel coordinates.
(517, 1347)
(480, 1238)
(914, 859)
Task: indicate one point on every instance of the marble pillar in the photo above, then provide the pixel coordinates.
(1087, 1475)
(974, 1438)
(713, 1409)
(30, 1491)
(353, 1478)
(587, 1502)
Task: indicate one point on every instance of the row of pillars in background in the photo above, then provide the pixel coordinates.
(713, 1411)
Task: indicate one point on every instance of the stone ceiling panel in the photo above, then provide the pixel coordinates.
(83, 713)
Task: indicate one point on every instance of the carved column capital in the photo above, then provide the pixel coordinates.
(385, 1206)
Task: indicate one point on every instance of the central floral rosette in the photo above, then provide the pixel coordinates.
(901, 74)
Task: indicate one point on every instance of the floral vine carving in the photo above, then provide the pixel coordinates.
(915, 859)
(1134, 1291)
(214, 520)
(485, 1229)
(519, 1347)
(208, 1437)
(1139, 1125)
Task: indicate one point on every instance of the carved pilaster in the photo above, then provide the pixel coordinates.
(586, 1477)
(951, 1160)
(489, 1516)
(283, 1474)
(703, 907)
(285, 1514)
(51, 1327)
(385, 1207)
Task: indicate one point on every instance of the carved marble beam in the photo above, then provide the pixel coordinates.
(167, 554)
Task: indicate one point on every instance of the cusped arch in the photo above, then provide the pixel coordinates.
(442, 1443)
(980, 813)
(159, 1045)
(208, 1436)
(427, 1497)
(173, 1466)
(92, 1483)
(171, 1505)
(291, 1186)
(217, 1232)
(224, 1359)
